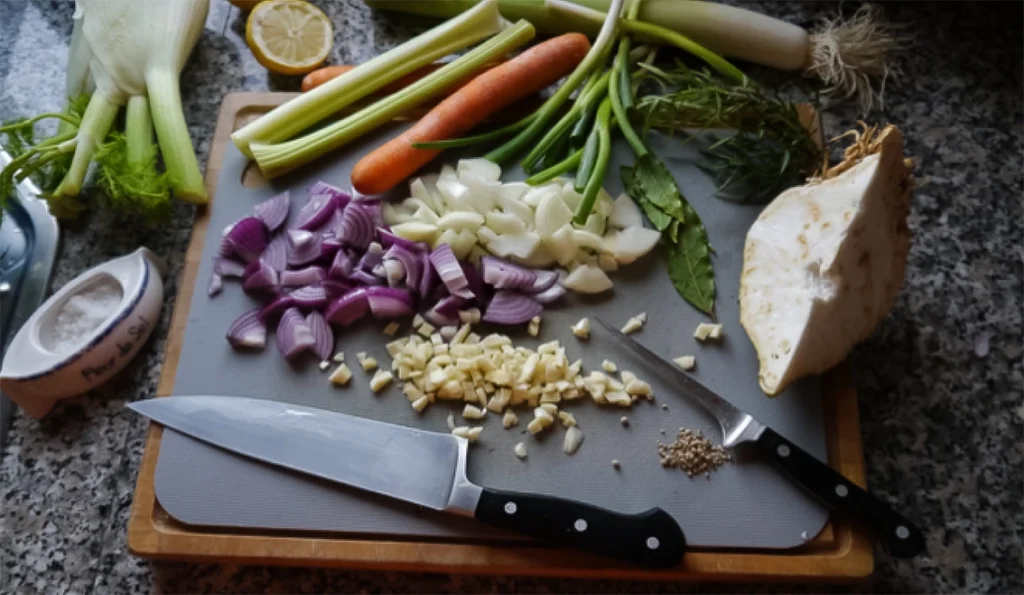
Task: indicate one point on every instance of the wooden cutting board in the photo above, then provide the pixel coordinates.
(840, 552)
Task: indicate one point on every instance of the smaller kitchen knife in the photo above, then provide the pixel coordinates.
(425, 468)
(899, 536)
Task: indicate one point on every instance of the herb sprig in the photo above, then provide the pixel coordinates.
(771, 150)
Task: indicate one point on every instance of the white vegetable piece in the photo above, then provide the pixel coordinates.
(568, 419)
(392, 328)
(469, 433)
(533, 328)
(596, 224)
(562, 245)
(500, 222)
(587, 239)
(341, 375)
(339, 357)
(582, 328)
(824, 262)
(518, 245)
(686, 362)
(634, 324)
(421, 403)
(482, 169)
(551, 215)
(514, 206)
(509, 419)
(587, 279)
(520, 450)
(631, 243)
(380, 380)
(707, 330)
(415, 231)
(471, 412)
(573, 440)
(324, 365)
(609, 366)
(460, 220)
(625, 213)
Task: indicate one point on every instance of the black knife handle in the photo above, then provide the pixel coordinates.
(899, 536)
(651, 538)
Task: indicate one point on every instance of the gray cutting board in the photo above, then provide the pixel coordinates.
(746, 504)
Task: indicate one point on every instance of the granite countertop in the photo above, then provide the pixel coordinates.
(941, 416)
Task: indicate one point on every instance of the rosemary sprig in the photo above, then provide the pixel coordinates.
(771, 149)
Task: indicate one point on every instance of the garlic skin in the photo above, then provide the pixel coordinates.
(824, 262)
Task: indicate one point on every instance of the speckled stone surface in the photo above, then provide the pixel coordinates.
(942, 425)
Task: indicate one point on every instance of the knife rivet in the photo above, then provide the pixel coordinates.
(653, 543)
(902, 532)
(841, 491)
(510, 508)
(783, 450)
(580, 525)
(5, 287)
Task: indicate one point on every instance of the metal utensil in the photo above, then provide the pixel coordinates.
(899, 536)
(425, 468)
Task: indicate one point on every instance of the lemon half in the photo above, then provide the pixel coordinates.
(289, 36)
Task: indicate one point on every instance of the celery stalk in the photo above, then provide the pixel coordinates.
(291, 118)
(277, 159)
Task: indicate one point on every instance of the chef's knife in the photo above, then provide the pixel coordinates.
(899, 536)
(425, 468)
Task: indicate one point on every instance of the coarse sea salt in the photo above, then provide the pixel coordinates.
(83, 312)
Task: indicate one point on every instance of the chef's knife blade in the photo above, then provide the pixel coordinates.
(425, 468)
(900, 537)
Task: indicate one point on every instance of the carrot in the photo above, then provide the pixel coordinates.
(533, 70)
(322, 75)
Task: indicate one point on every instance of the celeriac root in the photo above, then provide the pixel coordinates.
(849, 55)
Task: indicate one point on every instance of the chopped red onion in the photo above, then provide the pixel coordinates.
(336, 288)
(374, 257)
(475, 281)
(348, 308)
(248, 330)
(276, 253)
(428, 276)
(410, 261)
(316, 211)
(389, 302)
(328, 248)
(449, 306)
(293, 334)
(306, 276)
(339, 196)
(273, 212)
(322, 334)
(388, 240)
(310, 296)
(509, 307)
(448, 269)
(259, 275)
(225, 267)
(550, 295)
(437, 319)
(342, 267)
(502, 274)
(247, 238)
(303, 247)
(365, 278)
(276, 306)
(545, 280)
(358, 221)
(215, 285)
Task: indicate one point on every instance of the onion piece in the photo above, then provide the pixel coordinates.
(348, 308)
(394, 272)
(273, 211)
(303, 247)
(509, 307)
(476, 282)
(389, 302)
(587, 279)
(215, 285)
(310, 296)
(293, 334)
(545, 280)
(306, 276)
(373, 257)
(339, 196)
(259, 275)
(342, 266)
(550, 295)
(449, 306)
(276, 253)
(366, 278)
(328, 248)
(502, 274)
(336, 288)
(448, 269)
(317, 211)
(411, 261)
(247, 238)
(520, 245)
(276, 306)
(225, 267)
(439, 320)
(322, 334)
(358, 224)
(248, 330)
(388, 240)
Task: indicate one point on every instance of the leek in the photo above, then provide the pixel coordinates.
(284, 122)
(277, 159)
